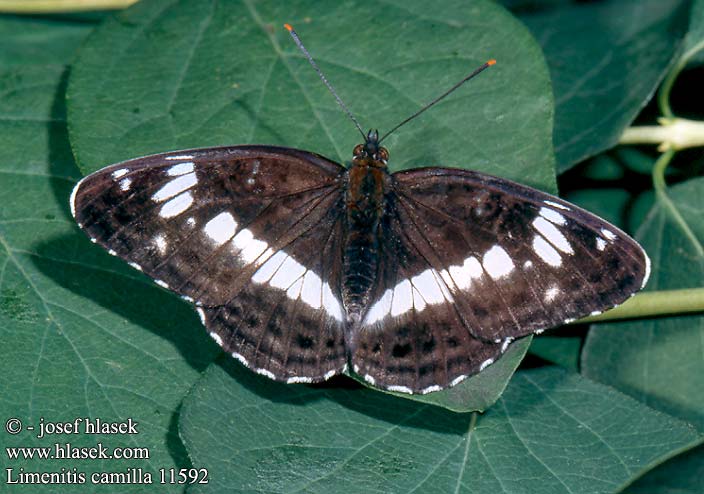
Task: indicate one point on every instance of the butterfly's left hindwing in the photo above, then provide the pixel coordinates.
(247, 233)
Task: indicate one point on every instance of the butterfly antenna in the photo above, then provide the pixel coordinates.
(322, 77)
(439, 98)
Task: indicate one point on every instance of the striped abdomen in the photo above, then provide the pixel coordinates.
(365, 206)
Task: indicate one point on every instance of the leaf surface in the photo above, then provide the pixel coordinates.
(660, 361)
(551, 431)
(84, 336)
(606, 59)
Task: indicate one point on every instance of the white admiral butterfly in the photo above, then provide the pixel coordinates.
(300, 267)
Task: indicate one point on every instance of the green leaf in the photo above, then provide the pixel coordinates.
(562, 350)
(606, 60)
(84, 337)
(40, 41)
(692, 54)
(660, 361)
(550, 432)
(683, 474)
(695, 35)
(166, 75)
(153, 98)
(609, 203)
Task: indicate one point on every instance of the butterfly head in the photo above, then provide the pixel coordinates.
(370, 151)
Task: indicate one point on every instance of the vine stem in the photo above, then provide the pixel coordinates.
(664, 93)
(56, 6)
(672, 133)
(650, 304)
(666, 203)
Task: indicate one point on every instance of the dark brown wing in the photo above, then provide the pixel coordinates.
(477, 262)
(247, 233)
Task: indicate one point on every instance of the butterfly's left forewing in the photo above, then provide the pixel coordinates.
(248, 233)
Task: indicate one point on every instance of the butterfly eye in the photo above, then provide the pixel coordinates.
(383, 154)
(358, 151)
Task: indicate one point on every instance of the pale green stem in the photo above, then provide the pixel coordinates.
(56, 6)
(649, 304)
(672, 133)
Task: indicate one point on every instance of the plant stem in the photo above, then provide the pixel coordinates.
(672, 133)
(658, 303)
(664, 93)
(56, 6)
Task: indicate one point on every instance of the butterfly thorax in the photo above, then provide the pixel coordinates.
(365, 202)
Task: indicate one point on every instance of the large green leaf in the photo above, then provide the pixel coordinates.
(661, 361)
(683, 474)
(695, 35)
(176, 74)
(41, 41)
(551, 431)
(606, 60)
(83, 336)
(207, 73)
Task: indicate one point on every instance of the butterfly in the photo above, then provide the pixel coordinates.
(303, 269)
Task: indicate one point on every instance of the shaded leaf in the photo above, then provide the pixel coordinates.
(695, 35)
(606, 59)
(683, 474)
(550, 432)
(660, 361)
(41, 41)
(84, 336)
(562, 350)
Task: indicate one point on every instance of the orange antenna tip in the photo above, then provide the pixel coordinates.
(490, 62)
(288, 27)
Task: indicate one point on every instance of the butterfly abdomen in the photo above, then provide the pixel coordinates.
(365, 206)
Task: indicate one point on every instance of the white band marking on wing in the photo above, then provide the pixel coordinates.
(546, 251)
(180, 169)
(177, 205)
(175, 186)
(497, 263)
(221, 228)
(552, 234)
